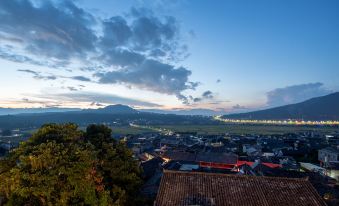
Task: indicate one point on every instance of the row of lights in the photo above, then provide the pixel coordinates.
(283, 122)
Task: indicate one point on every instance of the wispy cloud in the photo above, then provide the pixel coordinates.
(72, 88)
(90, 97)
(49, 76)
(38, 75)
(239, 107)
(81, 78)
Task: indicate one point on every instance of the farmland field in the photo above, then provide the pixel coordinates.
(246, 129)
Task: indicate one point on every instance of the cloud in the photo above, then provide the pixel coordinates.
(81, 78)
(296, 93)
(38, 75)
(59, 30)
(197, 99)
(238, 106)
(40, 102)
(72, 89)
(151, 75)
(7, 54)
(28, 71)
(134, 50)
(207, 95)
(218, 81)
(96, 104)
(80, 96)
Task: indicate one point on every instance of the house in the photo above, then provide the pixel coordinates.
(170, 141)
(211, 189)
(312, 168)
(204, 159)
(328, 154)
(150, 167)
(257, 162)
(332, 170)
(179, 156)
(217, 160)
(252, 150)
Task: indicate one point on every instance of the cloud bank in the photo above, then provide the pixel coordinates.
(136, 50)
(92, 98)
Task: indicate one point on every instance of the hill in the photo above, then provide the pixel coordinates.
(116, 109)
(202, 112)
(13, 111)
(113, 109)
(319, 108)
(114, 114)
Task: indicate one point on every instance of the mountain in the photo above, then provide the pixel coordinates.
(319, 108)
(114, 114)
(7, 111)
(203, 112)
(113, 109)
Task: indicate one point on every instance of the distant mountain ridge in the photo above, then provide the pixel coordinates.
(203, 112)
(113, 114)
(14, 111)
(318, 108)
(113, 109)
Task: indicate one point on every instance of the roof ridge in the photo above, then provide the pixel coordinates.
(240, 176)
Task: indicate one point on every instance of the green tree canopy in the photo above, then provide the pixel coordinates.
(62, 165)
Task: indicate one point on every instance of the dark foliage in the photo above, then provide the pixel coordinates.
(61, 165)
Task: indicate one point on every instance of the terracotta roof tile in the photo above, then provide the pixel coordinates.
(188, 188)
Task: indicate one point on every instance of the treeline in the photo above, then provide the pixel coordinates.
(62, 165)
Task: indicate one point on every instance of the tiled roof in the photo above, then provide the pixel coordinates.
(180, 156)
(151, 166)
(268, 164)
(226, 158)
(207, 189)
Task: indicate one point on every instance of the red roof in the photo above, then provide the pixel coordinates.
(268, 164)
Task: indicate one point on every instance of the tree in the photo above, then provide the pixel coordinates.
(61, 165)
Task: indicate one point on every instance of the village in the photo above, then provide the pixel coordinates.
(294, 155)
(188, 161)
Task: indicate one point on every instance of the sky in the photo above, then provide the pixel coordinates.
(225, 55)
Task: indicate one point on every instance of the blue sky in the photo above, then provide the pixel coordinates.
(223, 55)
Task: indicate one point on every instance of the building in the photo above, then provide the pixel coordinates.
(217, 160)
(312, 168)
(210, 189)
(204, 159)
(329, 159)
(328, 154)
(252, 150)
